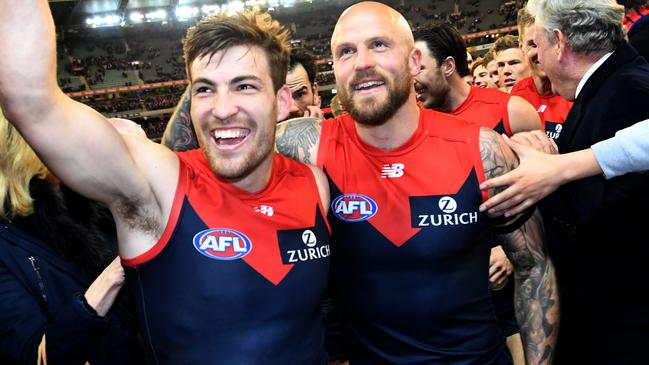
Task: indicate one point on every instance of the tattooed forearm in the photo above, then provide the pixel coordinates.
(179, 134)
(299, 138)
(536, 299)
(497, 157)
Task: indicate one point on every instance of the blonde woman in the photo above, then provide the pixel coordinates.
(52, 244)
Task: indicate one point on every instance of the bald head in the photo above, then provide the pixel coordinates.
(375, 60)
(369, 13)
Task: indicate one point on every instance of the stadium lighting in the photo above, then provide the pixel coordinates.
(104, 21)
(235, 6)
(157, 15)
(185, 12)
(288, 3)
(136, 17)
(252, 3)
(209, 9)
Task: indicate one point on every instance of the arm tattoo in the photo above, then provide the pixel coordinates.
(537, 299)
(298, 139)
(497, 158)
(179, 134)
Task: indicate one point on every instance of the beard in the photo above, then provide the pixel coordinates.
(375, 112)
(434, 91)
(246, 161)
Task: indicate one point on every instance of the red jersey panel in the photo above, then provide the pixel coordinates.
(553, 109)
(236, 278)
(410, 249)
(435, 175)
(486, 108)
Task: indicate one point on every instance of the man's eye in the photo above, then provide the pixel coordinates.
(245, 87)
(346, 51)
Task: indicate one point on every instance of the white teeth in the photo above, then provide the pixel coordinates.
(229, 133)
(368, 84)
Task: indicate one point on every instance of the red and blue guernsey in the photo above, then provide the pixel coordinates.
(410, 255)
(553, 109)
(236, 278)
(486, 107)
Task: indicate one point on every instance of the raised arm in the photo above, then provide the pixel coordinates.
(134, 177)
(179, 134)
(522, 116)
(299, 139)
(74, 141)
(536, 300)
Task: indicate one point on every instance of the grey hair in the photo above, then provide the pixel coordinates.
(590, 26)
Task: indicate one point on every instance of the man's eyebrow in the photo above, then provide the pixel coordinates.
(300, 89)
(245, 78)
(202, 80)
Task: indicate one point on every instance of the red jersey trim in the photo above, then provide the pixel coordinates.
(322, 144)
(171, 222)
(508, 127)
(321, 205)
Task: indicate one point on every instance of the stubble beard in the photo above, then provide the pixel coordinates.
(371, 111)
(235, 168)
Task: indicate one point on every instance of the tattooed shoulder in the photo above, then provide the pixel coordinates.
(299, 138)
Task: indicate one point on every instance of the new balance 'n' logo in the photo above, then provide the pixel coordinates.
(265, 209)
(392, 170)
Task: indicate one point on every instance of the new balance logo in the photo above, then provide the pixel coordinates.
(542, 108)
(265, 209)
(393, 170)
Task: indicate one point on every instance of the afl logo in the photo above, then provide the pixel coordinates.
(354, 207)
(222, 244)
(447, 204)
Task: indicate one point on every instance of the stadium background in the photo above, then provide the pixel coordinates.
(124, 57)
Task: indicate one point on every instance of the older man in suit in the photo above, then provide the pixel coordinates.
(597, 233)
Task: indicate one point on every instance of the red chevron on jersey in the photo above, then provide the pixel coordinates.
(227, 211)
(486, 108)
(385, 179)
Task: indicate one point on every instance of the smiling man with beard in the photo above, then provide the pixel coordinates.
(224, 246)
(440, 86)
(410, 254)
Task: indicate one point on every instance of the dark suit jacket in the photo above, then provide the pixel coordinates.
(598, 230)
(39, 294)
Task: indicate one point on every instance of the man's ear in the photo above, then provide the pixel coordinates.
(284, 100)
(414, 61)
(561, 44)
(317, 101)
(448, 66)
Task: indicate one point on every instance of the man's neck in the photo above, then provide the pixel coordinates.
(542, 84)
(394, 132)
(457, 95)
(259, 178)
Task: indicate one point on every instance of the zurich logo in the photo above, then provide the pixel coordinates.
(447, 204)
(354, 207)
(222, 244)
